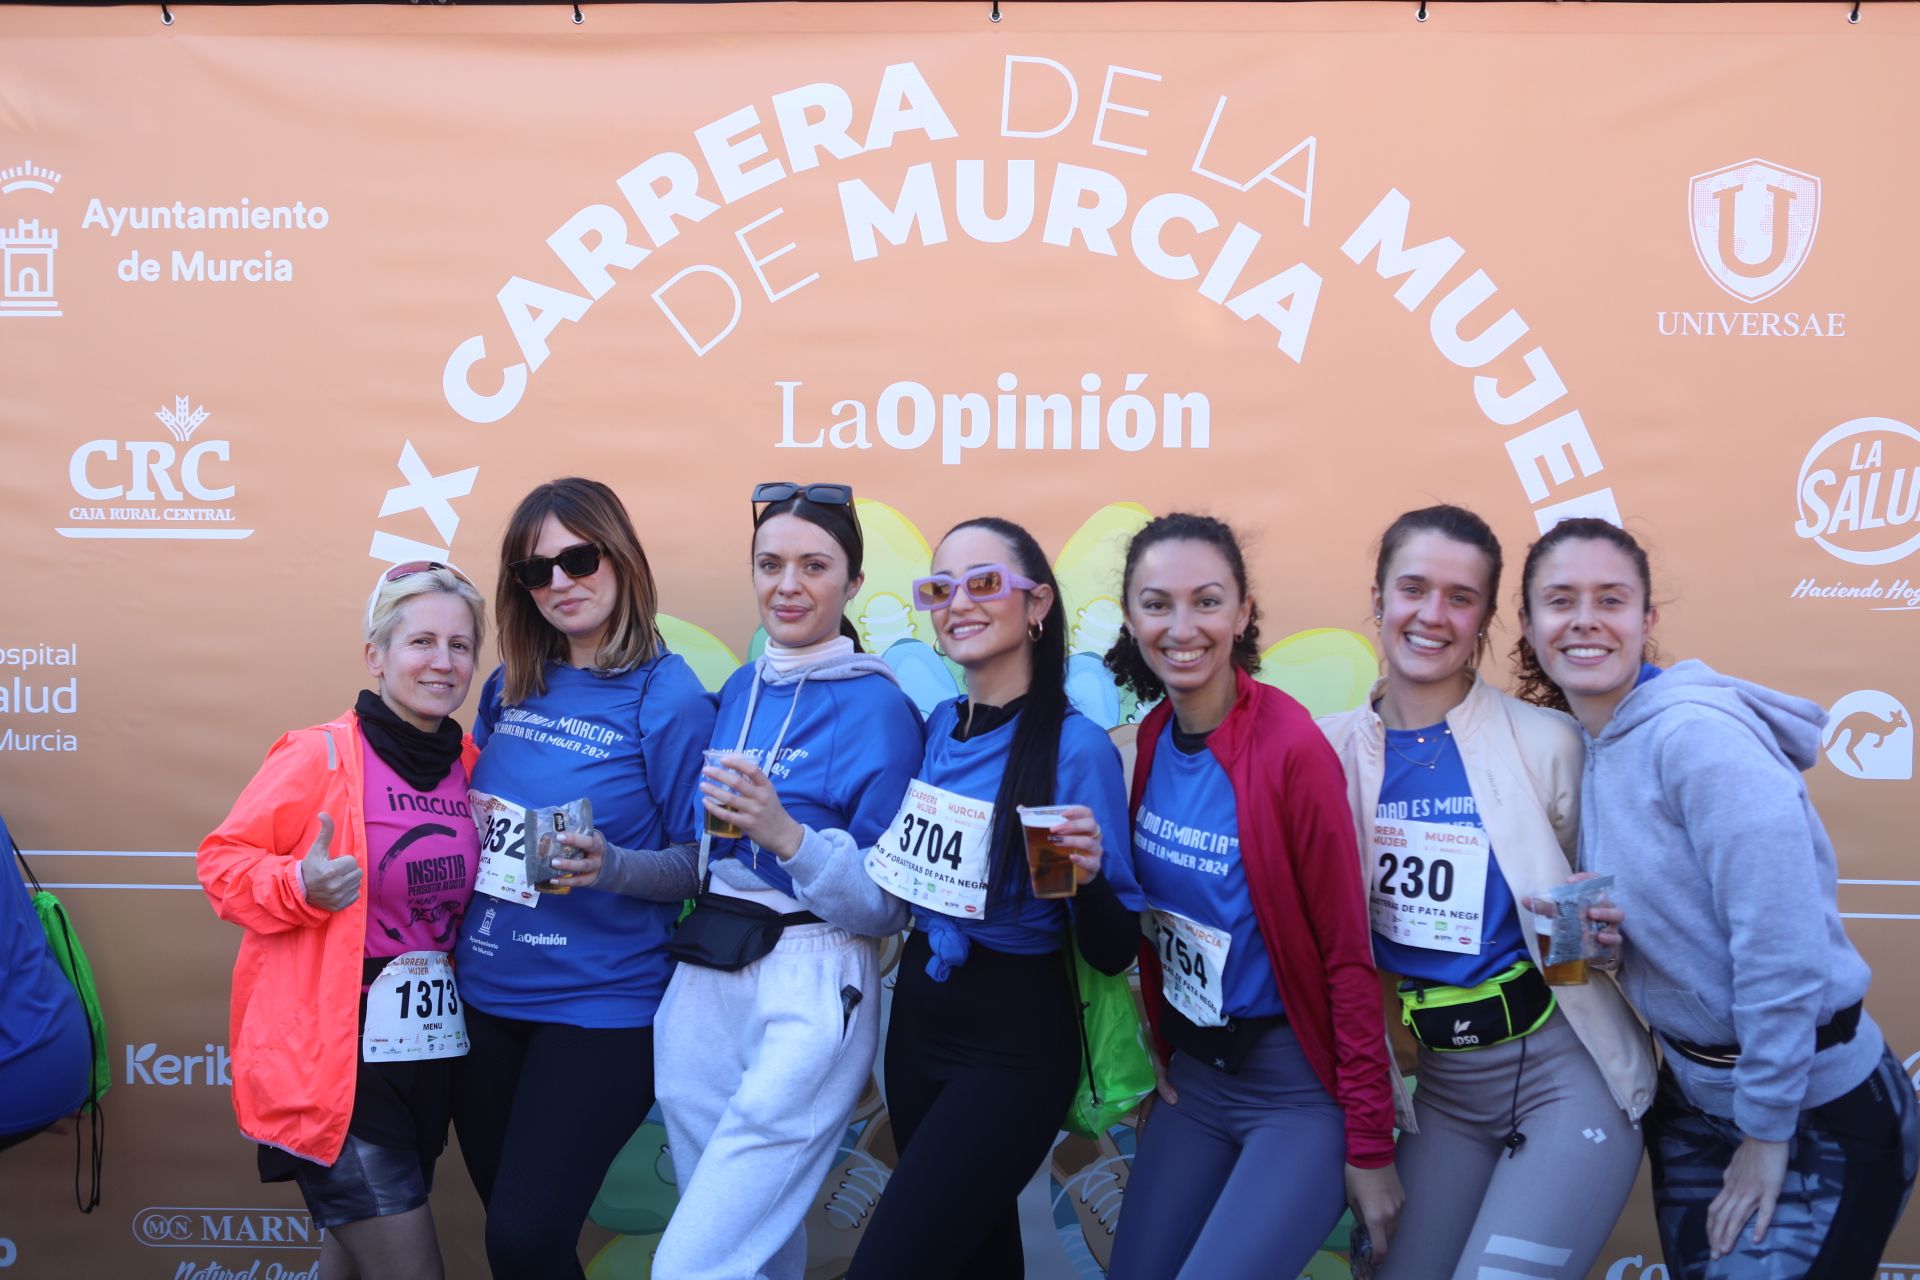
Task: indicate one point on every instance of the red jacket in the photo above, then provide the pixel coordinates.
(295, 1016)
(1297, 844)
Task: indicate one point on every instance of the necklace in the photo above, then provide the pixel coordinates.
(1421, 738)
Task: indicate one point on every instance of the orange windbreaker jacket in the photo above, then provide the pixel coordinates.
(294, 1021)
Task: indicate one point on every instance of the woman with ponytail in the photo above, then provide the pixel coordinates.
(983, 1050)
(1524, 1133)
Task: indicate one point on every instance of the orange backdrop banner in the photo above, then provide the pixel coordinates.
(289, 293)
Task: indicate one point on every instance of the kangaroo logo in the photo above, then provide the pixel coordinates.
(1869, 736)
(1753, 225)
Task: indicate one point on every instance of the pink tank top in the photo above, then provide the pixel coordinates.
(422, 855)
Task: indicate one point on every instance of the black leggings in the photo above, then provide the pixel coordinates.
(542, 1109)
(981, 1069)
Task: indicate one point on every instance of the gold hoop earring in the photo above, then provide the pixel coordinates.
(1376, 619)
(1037, 630)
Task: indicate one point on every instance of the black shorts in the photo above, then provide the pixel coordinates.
(398, 1130)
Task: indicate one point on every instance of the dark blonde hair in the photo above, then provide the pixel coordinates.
(527, 640)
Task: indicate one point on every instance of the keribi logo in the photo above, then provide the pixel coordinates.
(1869, 735)
(27, 247)
(1753, 225)
(175, 488)
(147, 1065)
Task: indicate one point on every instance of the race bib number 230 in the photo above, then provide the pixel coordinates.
(1428, 886)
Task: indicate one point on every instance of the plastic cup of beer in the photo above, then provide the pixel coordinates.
(1048, 864)
(717, 826)
(1568, 973)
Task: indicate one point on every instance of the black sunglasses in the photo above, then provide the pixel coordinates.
(827, 495)
(580, 560)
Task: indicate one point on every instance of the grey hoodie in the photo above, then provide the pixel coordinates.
(1693, 798)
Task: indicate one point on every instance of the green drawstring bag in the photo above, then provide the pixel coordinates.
(72, 959)
(1115, 1068)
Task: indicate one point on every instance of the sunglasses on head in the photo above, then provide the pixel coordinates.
(827, 495)
(986, 582)
(407, 570)
(581, 560)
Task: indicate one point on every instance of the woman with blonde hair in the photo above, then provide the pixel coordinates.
(349, 861)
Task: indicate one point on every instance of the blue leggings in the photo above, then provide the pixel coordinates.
(1243, 1178)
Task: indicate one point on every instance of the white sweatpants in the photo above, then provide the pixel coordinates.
(757, 1073)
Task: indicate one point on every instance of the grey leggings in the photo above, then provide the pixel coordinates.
(1241, 1180)
(1477, 1207)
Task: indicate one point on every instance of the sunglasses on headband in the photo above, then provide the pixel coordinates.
(581, 560)
(984, 582)
(407, 570)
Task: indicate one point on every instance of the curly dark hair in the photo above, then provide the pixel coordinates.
(1531, 682)
(1124, 659)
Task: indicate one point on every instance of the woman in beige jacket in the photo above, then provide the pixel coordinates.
(1523, 1143)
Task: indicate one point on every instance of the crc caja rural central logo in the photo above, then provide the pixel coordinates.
(1753, 225)
(174, 487)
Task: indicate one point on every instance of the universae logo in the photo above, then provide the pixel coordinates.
(1753, 225)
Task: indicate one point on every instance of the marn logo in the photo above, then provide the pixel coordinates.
(1753, 225)
(1869, 735)
(1859, 491)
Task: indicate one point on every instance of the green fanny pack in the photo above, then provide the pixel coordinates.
(1511, 1004)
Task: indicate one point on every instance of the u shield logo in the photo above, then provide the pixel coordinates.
(1753, 225)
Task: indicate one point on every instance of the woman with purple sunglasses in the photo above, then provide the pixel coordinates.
(983, 1049)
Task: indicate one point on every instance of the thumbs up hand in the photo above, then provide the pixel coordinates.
(331, 882)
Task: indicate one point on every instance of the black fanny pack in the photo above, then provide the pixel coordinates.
(1839, 1030)
(1222, 1048)
(1505, 1007)
(724, 932)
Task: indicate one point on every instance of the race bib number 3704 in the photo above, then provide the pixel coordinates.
(1428, 887)
(934, 852)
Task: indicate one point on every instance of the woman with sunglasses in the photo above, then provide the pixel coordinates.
(983, 1048)
(349, 861)
(1466, 801)
(563, 967)
(767, 1032)
(1274, 1110)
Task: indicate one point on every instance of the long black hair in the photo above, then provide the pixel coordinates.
(1034, 759)
(1124, 659)
(842, 524)
(1533, 684)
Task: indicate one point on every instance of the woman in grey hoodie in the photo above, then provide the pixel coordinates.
(1784, 1133)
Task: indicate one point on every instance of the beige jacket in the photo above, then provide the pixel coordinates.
(1523, 764)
